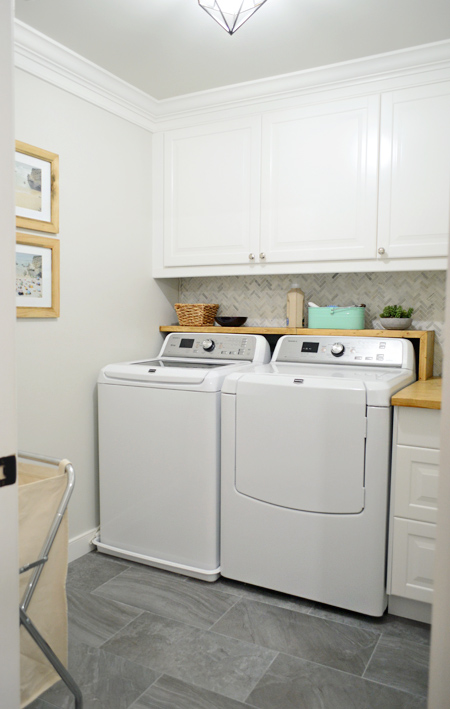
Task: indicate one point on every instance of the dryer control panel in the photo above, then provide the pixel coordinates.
(364, 351)
(210, 346)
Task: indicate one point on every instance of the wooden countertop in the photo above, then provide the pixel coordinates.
(422, 394)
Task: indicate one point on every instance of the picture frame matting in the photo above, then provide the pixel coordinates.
(36, 188)
(37, 276)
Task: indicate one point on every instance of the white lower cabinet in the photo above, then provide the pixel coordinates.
(414, 491)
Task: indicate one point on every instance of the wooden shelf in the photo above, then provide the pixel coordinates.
(423, 340)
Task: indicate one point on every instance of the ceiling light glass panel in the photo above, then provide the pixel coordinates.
(231, 14)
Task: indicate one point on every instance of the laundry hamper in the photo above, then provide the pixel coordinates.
(45, 486)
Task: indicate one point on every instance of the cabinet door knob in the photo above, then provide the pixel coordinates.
(251, 257)
(381, 251)
(262, 255)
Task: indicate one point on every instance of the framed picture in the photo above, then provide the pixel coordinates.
(37, 276)
(36, 188)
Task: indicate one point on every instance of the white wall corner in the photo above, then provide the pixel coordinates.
(41, 56)
(82, 544)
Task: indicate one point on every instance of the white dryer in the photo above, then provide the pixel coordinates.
(306, 445)
(159, 449)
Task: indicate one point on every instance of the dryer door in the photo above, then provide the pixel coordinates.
(301, 443)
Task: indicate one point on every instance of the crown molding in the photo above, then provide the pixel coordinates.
(41, 56)
(391, 65)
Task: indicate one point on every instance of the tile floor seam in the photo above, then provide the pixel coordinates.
(327, 667)
(394, 686)
(224, 614)
(371, 656)
(130, 706)
(104, 582)
(174, 620)
(100, 647)
(297, 657)
(259, 680)
(201, 686)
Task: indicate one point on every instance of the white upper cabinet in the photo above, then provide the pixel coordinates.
(414, 198)
(212, 193)
(319, 181)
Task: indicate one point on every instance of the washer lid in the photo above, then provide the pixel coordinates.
(161, 371)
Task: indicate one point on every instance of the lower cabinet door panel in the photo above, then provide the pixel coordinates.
(413, 559)
(416, 483)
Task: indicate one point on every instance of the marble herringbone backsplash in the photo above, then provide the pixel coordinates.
(263, 298)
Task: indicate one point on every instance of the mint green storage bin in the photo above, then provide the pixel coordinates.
(336, 318)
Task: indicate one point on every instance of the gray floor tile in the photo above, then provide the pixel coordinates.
(93, 620)
(39, 704)
(291, 683)
(388, 624)
(333, 644)
(91, 570)
(400, 663)
(220, 664)
(168, 595)
(264, 595)
(106, 681)
(170, 693)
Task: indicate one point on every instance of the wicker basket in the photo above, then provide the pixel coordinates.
(196, 314)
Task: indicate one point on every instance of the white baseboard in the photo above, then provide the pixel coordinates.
(82, 544)
(407, 608)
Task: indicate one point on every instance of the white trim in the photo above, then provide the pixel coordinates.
(375, 265)
(390, 65)
(408, 608)
(41, 56)
(82, 544)
(193, 571)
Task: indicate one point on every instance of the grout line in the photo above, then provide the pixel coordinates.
(370, 658)
(259, 680)
(238, 599)
(130, 706)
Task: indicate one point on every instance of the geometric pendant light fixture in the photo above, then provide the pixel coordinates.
(231, 14)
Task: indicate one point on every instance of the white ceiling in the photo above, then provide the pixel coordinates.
(172, 47)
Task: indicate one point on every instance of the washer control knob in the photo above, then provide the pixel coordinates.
(338, 349)
(208, 345)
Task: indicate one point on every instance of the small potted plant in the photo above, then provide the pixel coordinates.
(394, 317)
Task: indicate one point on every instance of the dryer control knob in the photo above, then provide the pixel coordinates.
(338, 349)
(208, 345)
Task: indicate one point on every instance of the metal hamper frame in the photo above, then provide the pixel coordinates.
(38, 565)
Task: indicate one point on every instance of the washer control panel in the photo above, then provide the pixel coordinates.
(209, 346)
(367, 351)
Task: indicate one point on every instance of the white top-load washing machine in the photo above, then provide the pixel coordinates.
(159, 445)
(306, 444)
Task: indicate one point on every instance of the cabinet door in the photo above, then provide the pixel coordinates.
(212, 193)
(415, 172)
(319, 181)
(416, 483)
(413, 560)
